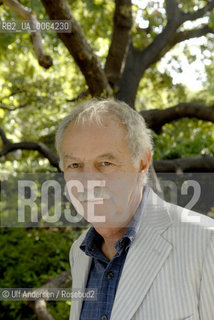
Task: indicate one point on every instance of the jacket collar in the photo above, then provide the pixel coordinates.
(144, 260)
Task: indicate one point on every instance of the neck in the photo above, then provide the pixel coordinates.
(110, 236)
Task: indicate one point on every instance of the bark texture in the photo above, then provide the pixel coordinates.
(27, 14)
(156, 118)
(79, 48)
(120, 41)
(9, 147)
(196, 164)
(138, 61)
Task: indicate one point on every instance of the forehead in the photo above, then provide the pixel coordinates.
(108, 126)
(84, 138)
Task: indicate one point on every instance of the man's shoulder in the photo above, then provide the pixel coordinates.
(181, 220)
(186, 217)
(189, 228)
(183, 215)
(189, 232)
(75, 248)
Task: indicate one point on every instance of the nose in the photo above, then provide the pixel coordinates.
(89, 168)
(88, 174)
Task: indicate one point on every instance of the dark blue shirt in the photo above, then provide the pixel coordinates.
(105, 274)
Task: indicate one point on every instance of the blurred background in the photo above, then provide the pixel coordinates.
(155, 55)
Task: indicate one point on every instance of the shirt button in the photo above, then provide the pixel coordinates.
(104, 317)
(110, 275)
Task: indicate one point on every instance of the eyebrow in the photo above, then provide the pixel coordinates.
(69, 157)
(107, 155)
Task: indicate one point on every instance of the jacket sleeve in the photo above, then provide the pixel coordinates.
(206, 299)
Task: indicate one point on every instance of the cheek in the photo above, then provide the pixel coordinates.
(122, 186)
(73, 186)
(131, 186)
(68, 176)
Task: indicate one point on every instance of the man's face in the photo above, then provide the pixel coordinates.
(100, 160)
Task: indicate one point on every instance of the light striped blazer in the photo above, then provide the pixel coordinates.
(169, 270)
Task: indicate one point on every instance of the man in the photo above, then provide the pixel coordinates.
(148, 259)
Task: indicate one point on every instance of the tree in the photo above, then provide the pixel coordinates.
(133, 51)
(107, 53)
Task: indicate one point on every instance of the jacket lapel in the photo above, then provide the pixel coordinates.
(144, 260)
(80, 277)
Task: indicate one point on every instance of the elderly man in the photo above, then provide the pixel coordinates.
(147, 258)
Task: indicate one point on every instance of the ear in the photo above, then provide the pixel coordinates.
(145, 161)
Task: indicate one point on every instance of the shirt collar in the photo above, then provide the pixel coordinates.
(93, 240)
(92, 243)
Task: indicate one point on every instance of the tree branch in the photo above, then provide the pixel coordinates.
(171, 9)
(199, 13)
(8, 147)
(194, 33)
(139, 60)
(156, 118)
(120, 40)
(26, 14)
(175, 19)
(197, 164)
(3, 137)
(13, 109)
(184, 35)
(79, 48)
(63, 280)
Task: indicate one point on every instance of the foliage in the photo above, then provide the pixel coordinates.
(24, 82)
(28, 258)
(187, 139)
(157, 91)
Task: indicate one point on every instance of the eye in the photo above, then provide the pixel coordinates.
(74, 165)
(105, 163)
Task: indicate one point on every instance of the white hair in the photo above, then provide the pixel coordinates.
(138, 136)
